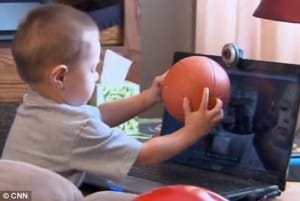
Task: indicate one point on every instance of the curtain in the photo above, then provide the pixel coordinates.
(232, 21)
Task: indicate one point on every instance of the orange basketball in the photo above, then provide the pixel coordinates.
(187, 78)
(179, 193)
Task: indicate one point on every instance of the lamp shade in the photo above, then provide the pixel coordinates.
(280, 10)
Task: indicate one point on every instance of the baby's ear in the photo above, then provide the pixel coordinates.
(58, 74)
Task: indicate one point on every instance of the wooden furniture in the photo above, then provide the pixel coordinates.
(131, 47)
(12, 88)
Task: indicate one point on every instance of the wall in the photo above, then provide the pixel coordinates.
(166, 26)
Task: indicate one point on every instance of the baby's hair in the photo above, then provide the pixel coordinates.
(50, 35)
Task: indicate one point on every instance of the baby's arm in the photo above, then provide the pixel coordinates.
(115, 112)
(197, 125)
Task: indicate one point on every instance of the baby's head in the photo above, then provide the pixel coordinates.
(56, 50)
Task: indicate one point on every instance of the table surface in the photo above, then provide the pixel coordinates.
(291, 193)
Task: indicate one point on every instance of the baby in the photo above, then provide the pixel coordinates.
(56, 50)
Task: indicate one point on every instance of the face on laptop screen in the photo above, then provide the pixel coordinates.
(257, 131)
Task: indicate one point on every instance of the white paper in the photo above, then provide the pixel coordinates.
(115, 68)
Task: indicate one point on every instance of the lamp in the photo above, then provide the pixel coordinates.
(280, 10)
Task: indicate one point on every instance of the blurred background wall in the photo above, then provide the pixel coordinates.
(166, 26)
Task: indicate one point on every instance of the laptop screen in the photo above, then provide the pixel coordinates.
(254, 140)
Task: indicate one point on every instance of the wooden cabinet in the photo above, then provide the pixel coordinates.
(131, 47)
(12, 88)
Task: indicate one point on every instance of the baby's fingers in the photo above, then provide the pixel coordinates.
(186, 107)
(204, 100)
(217, 111)
(218, 117)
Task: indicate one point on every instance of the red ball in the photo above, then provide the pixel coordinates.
(187, 78)
(180, 193)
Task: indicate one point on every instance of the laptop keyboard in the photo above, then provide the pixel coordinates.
(175, 174)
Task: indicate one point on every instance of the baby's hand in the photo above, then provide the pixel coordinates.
(155, 88)
(202, 120)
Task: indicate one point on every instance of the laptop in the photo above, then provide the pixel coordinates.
(246, 155)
